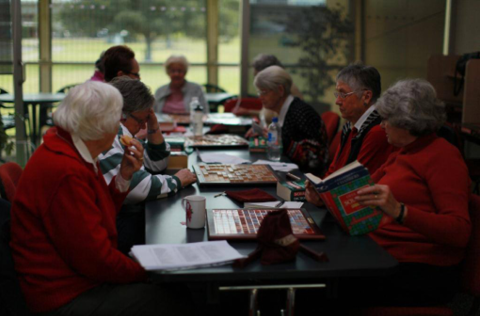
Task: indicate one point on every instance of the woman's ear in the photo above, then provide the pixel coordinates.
(281, 90)
(367, 96)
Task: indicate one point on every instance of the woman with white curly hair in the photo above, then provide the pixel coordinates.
(423, 189)
(63, 235)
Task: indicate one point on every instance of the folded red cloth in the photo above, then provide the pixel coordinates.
(252, 195)
(276, 239)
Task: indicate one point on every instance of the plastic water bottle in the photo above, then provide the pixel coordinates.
(274, 142)
(198, 120)
(193, 105)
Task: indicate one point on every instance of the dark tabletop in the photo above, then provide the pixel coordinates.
(348, 256)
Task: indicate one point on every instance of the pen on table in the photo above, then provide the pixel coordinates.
(293, 177)
(219, 194)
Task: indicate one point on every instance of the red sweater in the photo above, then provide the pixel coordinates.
(373, 153)
(64, 237)
(431, 178)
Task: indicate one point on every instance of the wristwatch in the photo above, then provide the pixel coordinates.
(399, 219)
(153, 131)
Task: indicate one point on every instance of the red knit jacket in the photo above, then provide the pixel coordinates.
(431, 178)
(64, 237)
(373, 153)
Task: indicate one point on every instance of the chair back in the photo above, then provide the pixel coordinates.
(332, 121)
(471, 268)
(246, 103)
(67, 88)
(12, 301)
(10, 173)
(211, 88)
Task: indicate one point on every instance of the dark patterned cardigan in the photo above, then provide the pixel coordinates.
(304, 138)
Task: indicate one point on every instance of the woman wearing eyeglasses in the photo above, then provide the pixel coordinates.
(358, 88)
(176, 96)
(145, 186)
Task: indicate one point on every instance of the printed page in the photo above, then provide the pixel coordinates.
(182, 256)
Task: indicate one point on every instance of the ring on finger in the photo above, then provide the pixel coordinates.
(376, 196)
(141, 158)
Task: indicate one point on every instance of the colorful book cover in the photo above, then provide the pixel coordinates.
(291, 190)
(339, 192)
(257, 144)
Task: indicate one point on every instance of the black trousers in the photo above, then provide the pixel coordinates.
(129, 299)
(130, 229)
(414, 284)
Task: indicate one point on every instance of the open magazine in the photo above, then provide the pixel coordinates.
(338, 192)
(185, 256)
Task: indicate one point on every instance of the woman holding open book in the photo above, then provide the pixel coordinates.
(423, 189)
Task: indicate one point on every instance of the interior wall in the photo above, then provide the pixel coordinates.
(400, 35)
(466, 29)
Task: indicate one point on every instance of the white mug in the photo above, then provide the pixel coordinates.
(194, 206)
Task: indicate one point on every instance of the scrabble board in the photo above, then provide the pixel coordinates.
(222, 140)
(216, 174)
(243, 224)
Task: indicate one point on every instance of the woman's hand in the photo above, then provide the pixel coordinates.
(252, 133)
(380, 195)
(154, 134)
(186, 177)
(132, 159)
(312, 195)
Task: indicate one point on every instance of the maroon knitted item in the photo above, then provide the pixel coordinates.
(253, 195)
(276, 239)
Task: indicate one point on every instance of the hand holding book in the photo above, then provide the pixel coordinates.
(381, 196)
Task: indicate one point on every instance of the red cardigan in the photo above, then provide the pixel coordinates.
(431, 178)
(64, 238)
(373, 153)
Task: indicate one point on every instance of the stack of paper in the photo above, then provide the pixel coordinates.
(277, 166)
(185, 256)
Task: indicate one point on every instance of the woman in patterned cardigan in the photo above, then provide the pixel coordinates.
(303, 132)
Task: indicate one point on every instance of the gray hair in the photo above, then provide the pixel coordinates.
(90, 110)
(361, 77)
(272, 77)
(412, 105)
(263, 61)
(136, 95)
(176, 59)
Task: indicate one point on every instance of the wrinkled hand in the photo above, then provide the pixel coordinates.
(132, 159)
(251, 133)
(186, 177)
(381, 196)
(311, 195)
(152, 122)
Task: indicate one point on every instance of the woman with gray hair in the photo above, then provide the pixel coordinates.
(147, 183)
(423, 190)
(64, 240)
(176, 96)
(303, 132)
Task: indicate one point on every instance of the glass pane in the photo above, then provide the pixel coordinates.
(310, 39)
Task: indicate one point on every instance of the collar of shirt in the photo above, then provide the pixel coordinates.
(365, 115)
(125, 130)
(84, 152)
(284, 110)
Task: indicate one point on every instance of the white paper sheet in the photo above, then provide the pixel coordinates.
(277, 166)
(221, 158)
(185, 256)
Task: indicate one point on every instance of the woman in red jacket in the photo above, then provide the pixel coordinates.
(423, 190)
(64, 240)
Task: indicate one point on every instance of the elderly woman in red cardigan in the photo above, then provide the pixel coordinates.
(64, 240)
(423, 190)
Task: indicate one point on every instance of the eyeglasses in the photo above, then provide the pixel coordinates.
(263, 92)
(343, 95)
(139, 121)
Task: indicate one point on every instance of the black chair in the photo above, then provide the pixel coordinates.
(67, 88)
(12, 301)
(211, 88)
(8, 121)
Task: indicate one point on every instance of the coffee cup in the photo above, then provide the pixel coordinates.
(194, 206)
